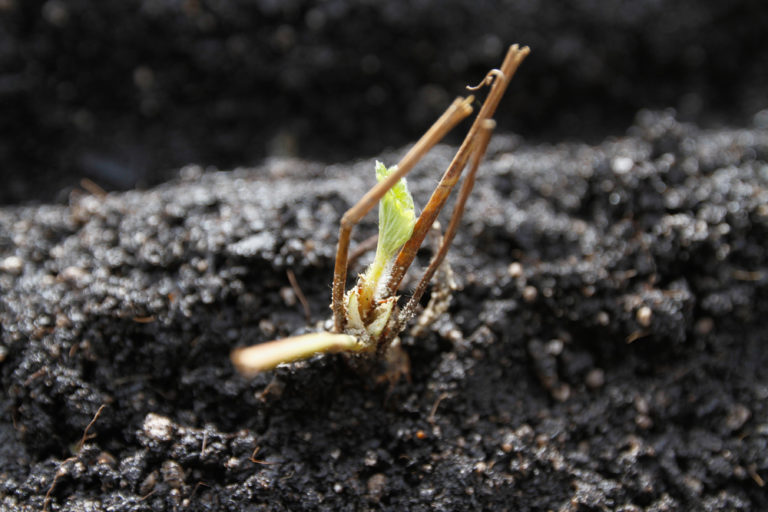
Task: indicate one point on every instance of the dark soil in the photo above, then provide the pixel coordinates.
(125, 91)
(606, 352)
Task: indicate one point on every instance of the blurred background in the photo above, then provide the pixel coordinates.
(123, 92)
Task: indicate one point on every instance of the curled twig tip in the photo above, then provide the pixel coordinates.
(488, 80)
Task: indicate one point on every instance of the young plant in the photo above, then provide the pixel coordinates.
(367, 318)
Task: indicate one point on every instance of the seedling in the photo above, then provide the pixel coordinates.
(367, 318)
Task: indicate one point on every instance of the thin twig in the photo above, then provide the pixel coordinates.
(299, 294)
(150, 493)
(253, 458)
(59, 473)
(752, 469)
(431, 417)
(747, 275)
(93, 188)
(407, 254)
(636, 335)
(480, 146)
(198, 485)
(88, 427)
(39, 373)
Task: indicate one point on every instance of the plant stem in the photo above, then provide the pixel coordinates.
(251, 360)
(512, 61)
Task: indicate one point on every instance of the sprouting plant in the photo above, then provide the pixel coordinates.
(367, 318)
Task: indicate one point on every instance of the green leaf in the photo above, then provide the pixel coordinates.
(397, 219)
(396, 215)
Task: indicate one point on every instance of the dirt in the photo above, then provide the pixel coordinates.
(124, 92)
(606, 350)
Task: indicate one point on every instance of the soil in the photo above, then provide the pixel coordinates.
(606, 350)
(124, 92)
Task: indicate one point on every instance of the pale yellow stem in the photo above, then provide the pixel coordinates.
(251, 360)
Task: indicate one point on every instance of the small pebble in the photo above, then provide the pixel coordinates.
(158, 427)
(737, 417)
(107, 459)
(515, 269)
(267, 327)
(74, 275)
(643, 421)
(530, 293)
(11, 265)
(704, 325)
(622, 164)
(370, 458)
(148, 484)
(641, 405)
(554, 347)
(644, 315)
(595, 378)
(562, 392)
(288, 296)
(173, 474)
(376, 485)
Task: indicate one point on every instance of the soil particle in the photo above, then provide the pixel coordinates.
(631, 378)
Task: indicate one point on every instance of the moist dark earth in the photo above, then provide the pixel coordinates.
(606, 350)
(124, 92)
